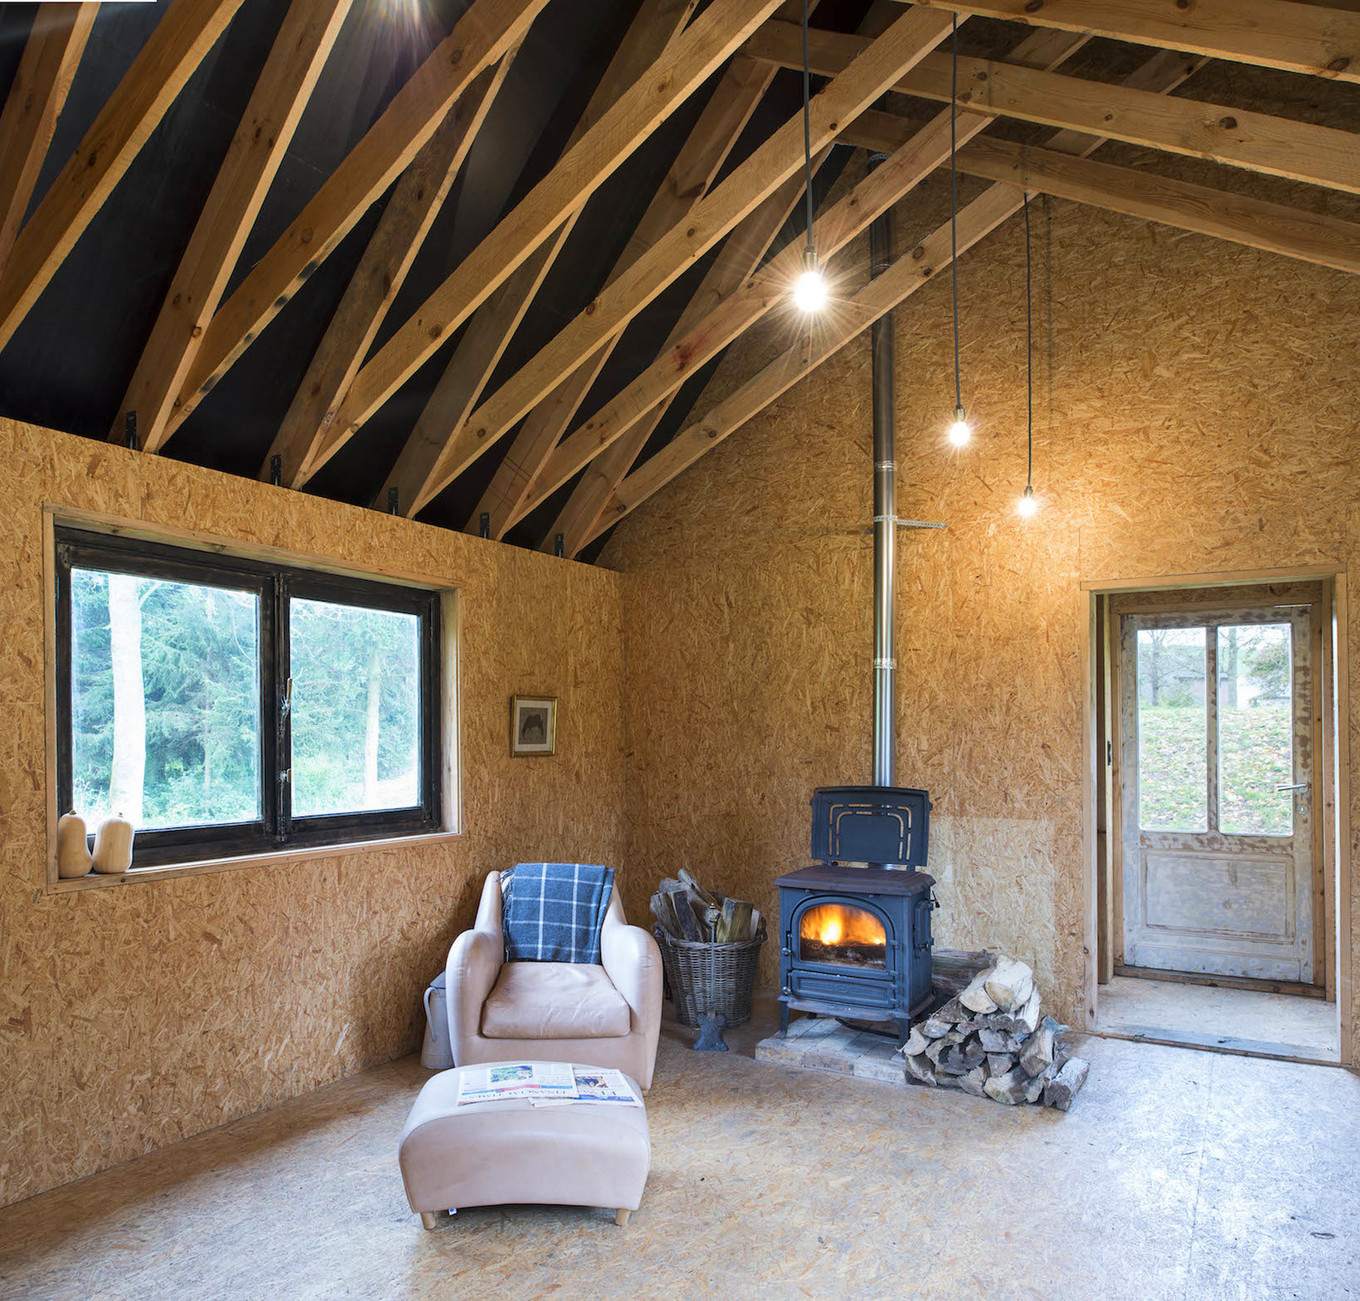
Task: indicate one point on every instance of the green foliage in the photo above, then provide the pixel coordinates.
(200, 674)
(1172, 767)
(1254, 756)
(340, 654)
(201, 686)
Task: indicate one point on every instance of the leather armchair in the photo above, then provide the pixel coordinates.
(607, 1015)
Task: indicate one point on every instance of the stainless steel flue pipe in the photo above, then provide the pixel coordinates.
(885, 513)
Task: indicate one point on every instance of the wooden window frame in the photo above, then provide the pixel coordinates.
(275, 582)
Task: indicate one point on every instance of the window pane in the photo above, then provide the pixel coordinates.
(356, 708)
(1173, 765)
(165, 701)
(1255, 731)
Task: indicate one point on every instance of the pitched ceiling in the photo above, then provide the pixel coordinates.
(480, 258)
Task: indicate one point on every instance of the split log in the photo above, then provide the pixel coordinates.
(920, 1069)
(735, 922)
(1009, 984)
(952, 970)
(1008, 1088)
(686, 923)
(998, 1041)
(976, 998)
(975, 1082)
(1019, 1023)
(663, 914)
(1065, 1085)
(1037, 1055)
(959, 1059)
(687, 878)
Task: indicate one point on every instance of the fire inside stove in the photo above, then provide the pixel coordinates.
(839, 933)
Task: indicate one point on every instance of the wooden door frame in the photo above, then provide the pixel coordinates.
(1332, 728)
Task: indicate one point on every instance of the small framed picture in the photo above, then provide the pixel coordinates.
(533, 725)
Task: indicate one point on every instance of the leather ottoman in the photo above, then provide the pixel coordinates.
(501, 1153)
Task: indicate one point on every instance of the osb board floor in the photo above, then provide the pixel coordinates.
(1298, 1027)
(1177, 1174)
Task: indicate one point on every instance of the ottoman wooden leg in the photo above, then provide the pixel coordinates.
(621, 1217)
(427, 1219)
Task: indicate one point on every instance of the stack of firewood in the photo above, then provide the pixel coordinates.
(687, 911)
(989, 1039)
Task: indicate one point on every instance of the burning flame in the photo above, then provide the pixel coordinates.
(833, 923)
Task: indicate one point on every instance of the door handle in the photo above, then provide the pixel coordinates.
(1297, 786)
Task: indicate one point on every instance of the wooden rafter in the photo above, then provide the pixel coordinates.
(481, 37)
(778, 158)
(689, 178)
(1298, 151)
(846, 219)
(740, 310)
(305, 38)
(657, 24)
(739, 260)
(852, 316)
(36, 96)
(703, 48)
(1162, 73)
(176, 47)
(474, 358)
(1272, 33)
(416, 201)
(1273, 227)
(695, 166)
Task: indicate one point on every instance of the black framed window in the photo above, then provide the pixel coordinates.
(227, 706)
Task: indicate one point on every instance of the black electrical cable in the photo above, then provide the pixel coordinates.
(953, 210)
(1029, 360)
(807, 122)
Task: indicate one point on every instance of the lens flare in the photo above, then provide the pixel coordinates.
(809, 292)
(959, 431)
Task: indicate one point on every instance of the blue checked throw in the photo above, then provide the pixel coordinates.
(552, 912)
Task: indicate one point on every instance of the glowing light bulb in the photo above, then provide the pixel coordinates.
(959, 432)
(1028, 503)
(809, 290)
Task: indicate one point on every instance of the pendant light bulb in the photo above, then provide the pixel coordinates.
(959, 431)
(1028, 503)
(809, 290)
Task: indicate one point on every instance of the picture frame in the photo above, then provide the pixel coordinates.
(533, 726)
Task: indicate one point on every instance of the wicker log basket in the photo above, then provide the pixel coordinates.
(710, 977)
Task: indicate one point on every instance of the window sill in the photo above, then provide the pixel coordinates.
(100, 881)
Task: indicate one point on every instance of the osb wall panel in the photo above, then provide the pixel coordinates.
(1193, 413)
(133, 1016)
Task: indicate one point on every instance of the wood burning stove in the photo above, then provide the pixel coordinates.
(855, 929)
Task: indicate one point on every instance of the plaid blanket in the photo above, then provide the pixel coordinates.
(552, 912)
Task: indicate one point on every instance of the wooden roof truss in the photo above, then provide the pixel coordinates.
(421, 139)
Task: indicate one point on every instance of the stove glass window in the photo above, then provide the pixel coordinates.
(844, 935)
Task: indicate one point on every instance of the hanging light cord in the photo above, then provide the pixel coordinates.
(1029, 360)
(807, 122)
(953, 205)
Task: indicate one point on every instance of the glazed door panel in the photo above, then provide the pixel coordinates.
(1216, 792)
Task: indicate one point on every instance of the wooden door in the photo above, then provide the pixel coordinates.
(1217, 792)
